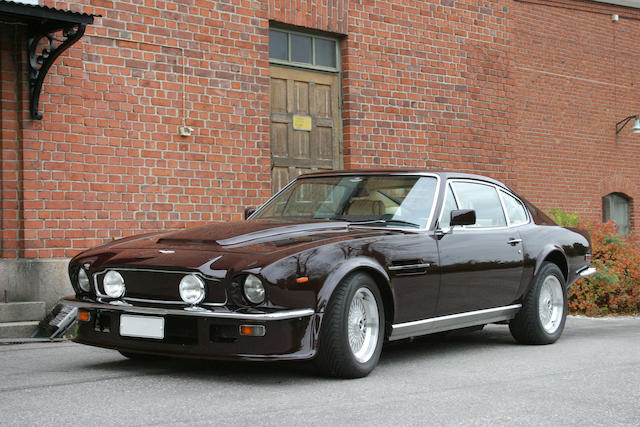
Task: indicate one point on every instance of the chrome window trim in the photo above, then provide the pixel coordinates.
(354, 173)
(444, 198)
(504, 208)
(151, 270)
(498, 188)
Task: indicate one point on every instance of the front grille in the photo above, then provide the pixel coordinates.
(148, 285)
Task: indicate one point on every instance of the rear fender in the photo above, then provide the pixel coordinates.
(560, 259)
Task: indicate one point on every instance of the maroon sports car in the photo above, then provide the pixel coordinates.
(330, 268)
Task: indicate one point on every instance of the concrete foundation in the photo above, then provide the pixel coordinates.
(34, 280)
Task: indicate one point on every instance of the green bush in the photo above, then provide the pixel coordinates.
(564, 219)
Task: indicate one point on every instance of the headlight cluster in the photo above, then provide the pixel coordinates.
(83, 280)
(113, 284)
(192, 289)
(253, 289)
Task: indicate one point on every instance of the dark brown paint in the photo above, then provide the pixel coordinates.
(467, 270)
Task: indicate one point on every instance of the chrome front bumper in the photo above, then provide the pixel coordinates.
(219, 313)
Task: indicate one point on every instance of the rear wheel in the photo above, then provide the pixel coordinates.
(544, 310)
(352, 329)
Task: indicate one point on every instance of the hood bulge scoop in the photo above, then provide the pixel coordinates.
(252, 236)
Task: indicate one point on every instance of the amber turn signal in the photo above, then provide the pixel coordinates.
(84, 316)
(252, 330)
(302, 280)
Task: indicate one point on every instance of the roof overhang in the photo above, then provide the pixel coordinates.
(50, 32)
(627, 3)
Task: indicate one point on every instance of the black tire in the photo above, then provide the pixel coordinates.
(527, 327)
(334, 355)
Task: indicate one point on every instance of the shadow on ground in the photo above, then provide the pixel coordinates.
(433, 346)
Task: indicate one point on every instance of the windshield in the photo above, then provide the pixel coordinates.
(404, 201)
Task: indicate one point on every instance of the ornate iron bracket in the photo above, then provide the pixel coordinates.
(44, 46)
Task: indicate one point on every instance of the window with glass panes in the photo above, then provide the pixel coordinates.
(615, 207)
(303, 50)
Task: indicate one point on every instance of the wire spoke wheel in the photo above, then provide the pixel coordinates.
(363, 325)
(352, 330)
(550, 304)
(542, 317)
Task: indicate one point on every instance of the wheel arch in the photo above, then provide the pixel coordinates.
(556, 255)
(355, 265)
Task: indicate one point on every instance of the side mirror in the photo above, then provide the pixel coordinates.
(463, 217)
(250, 211)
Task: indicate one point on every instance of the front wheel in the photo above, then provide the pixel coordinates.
(544, 309)
(352, 329)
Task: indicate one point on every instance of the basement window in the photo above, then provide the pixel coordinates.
(615, 207)
(288, 47)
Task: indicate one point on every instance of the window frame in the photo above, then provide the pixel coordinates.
(312, 66)
(606, 199)
(497, 188)
(432, 210)
(504, 208)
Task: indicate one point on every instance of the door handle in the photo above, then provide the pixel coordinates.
(514, 242)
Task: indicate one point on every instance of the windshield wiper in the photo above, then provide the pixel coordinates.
(385, 221)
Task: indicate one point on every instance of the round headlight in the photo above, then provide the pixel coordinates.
(192, 289)
(253, 289)
(113, 284)
(83, 280)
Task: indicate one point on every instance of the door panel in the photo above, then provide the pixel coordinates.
(479, 269)
(293, 151)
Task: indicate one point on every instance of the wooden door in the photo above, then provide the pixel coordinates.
(303, 96)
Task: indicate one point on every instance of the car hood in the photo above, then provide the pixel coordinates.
(255, 236)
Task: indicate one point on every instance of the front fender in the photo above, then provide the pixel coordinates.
(341, 271)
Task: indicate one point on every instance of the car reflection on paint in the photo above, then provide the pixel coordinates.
(330, 268)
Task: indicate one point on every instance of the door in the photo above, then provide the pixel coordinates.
(481, 265)
(305, 123)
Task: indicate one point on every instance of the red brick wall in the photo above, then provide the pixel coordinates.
(13, 112)
(325, 15)
(576, 76)
(107, 161)
(512, 89)
(427, 84)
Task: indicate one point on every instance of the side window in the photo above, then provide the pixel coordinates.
(449, 205)
(515, 211)
(484, 200)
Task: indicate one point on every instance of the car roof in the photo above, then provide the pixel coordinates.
(443, 174)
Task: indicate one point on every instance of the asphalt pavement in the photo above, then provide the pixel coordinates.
(591, 376)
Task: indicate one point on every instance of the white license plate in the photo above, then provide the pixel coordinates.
(142, 326)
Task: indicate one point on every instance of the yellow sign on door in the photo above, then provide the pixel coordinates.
(302, 123)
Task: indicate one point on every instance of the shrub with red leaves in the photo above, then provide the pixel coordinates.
(615, 288)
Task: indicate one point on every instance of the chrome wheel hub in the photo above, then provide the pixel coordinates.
(551, 304)
(363, 325)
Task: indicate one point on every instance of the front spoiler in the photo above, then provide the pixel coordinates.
(195, 332)
(221, 313)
